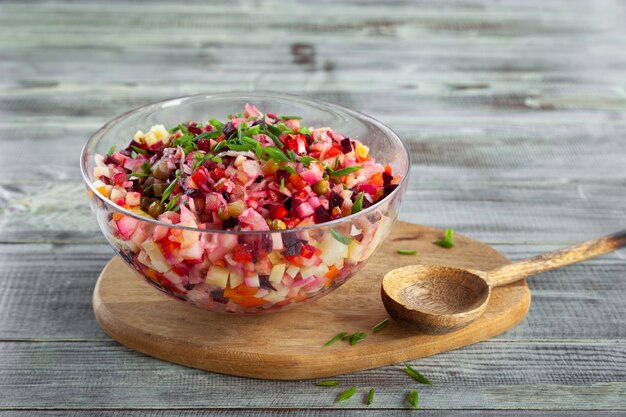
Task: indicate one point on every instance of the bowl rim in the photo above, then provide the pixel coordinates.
(98, 134)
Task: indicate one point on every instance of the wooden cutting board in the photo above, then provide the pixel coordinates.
(289, 344)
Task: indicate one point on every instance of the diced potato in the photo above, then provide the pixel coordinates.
(318, 271)
(217, 276)
(292, 271)
(156, 256)
(332, 250)
(276, 276)
(236, 279)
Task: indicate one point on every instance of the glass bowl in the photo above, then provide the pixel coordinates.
(274, 277)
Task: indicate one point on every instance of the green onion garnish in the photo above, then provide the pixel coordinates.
(138, 174)
(216, 124)
(358, 204)
(292, 155)
(343, 239)
(406, 252)
(274, 130)
(172, 203)
(111, 150)
(347, 394)
(355, 338)
(254, 130)
(413, 398)
(289, 169)
(345, 171)
(170, 187)
(276, 153)
(336, 338)
(380, 326)
(306, 160)
(219, 146)
(304, 130)
(289, 117)
(416, 375)
(370, 396)
(139, 150)
(329, 383)
(282, 183)
(448, 240)
(277, 141)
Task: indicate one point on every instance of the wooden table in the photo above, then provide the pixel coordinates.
(515, 114)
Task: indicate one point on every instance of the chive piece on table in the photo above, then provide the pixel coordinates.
(413, 398)
(329, 383)
(406, 252)
(370, 396)
(347, 394)
(380, 326)
(334, 339)
(416, 375)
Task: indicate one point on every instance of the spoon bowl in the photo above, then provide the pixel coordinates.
(435, 299)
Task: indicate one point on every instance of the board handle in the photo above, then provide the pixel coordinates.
(556, 259)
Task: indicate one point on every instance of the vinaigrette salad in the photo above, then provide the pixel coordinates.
(252, 172)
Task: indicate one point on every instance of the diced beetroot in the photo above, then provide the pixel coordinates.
(252, 220)
(279, 212)
(346, 145)
(368, 188)
(305, 210)
(194, 130)
(204, 145)
(322, 215)
(126, 225)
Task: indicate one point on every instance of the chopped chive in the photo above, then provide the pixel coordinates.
(254, 130)
(292, 155)
(355, 338)
(358, 204)
(346, 394)
(170, 188)
(329, 383)
(380, 326)
(145, 167)
(274, 130)
(306, 160)
(448, 240)
(416, 375)
(289, 169)
(345, 171)
(336, 338)
(138, 174)
(216, 124)
(277, 141)
(282, 183)
(284, 128)
(370, 396)
(304, 130)
(336, 164)
(276, 153)
(413, 398)
(219, 146)
(139, 150)
(290, 117)
(111, 150)
(343, 239)
(406, 252)
(172, 203)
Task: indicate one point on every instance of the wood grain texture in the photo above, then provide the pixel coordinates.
(290, 345)
(514, 113)
(488, 375)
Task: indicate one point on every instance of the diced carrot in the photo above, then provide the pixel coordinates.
(377, 180)
(388, 169)
(117, 216)
(220, 262)
(332, 272)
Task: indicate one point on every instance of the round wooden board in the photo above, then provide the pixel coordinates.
(289, 344)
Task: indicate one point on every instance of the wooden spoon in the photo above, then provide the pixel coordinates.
(438, 299)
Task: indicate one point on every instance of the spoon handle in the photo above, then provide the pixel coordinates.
(556, 259)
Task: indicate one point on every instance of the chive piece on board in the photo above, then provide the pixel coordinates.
(334, 339)
(406, 252)
(370, 396)
(329, 383)
(413, 398)
(380, 326)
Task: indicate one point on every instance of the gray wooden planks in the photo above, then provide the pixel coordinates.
(513, 112)
(541, 375)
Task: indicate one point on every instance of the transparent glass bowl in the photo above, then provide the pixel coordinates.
(275, 278)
